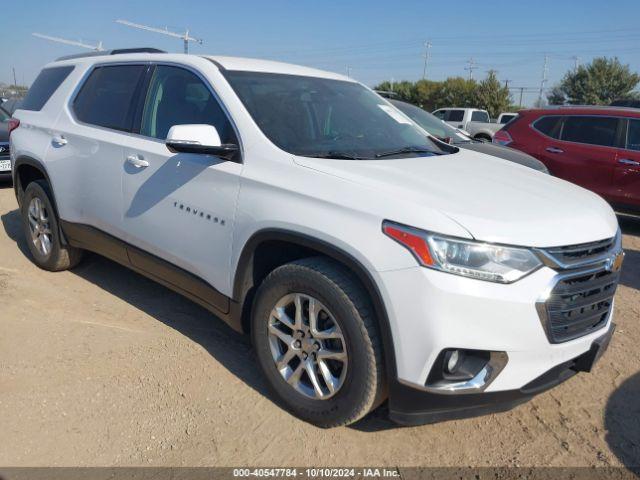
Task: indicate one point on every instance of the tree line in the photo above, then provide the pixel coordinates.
(597, 83)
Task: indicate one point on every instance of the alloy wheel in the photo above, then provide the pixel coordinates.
(39, 226)
(307, 346)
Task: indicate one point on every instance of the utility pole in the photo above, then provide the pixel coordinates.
(545, 71)
(576, 63)
(348, 71)
(472, 66)
(506, 83)
(185, 37)
(427, 56)
(15, 82)
(521, 94)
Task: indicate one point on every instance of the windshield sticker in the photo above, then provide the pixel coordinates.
(393, 113)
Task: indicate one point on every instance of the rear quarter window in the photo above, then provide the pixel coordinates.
(44, 86)
(549, 126)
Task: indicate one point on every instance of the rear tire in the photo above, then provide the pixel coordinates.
(346, 386)
(42, 232)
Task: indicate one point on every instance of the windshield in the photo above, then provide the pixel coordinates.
(320, 117)
(430, 123)
(4, 116)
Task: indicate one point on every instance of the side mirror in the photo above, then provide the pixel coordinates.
(203, 139)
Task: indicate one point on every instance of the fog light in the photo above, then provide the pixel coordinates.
(452, 360)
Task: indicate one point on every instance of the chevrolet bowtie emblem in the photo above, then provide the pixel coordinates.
(614, 263)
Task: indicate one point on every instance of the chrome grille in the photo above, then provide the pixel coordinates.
(579, 304)
(580, 254)
(581, 297)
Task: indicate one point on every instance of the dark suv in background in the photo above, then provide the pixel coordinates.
(595, 147)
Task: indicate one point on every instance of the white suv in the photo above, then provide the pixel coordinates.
(367, 260)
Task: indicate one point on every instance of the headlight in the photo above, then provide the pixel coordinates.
(483, 261)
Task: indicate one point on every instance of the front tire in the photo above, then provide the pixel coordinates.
(40, 223)
(317, 343)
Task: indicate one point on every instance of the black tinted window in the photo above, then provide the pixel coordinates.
(455, 115)
(479, 117)
(107, 97)
(47, 82)
(592, 130)
(178, 97)
(633, 135)
(550, 126)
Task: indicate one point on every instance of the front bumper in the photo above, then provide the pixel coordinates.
(410, 406)
(430, 311)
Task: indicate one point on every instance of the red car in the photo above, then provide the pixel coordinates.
(595, 147)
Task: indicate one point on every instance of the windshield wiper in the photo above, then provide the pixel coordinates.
(336, 155)
(406, 150)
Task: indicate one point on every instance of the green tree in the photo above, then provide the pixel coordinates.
(492, 96)
(599, 83)
(455, 92)
(404, 90)
(556, 96)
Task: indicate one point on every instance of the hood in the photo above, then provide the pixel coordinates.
(505, 153)
(495, 201)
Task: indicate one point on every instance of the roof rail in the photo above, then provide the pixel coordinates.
(118, 51)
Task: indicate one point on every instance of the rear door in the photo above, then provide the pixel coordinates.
(585, 152)
(626, 178)
(87, 140)
(180, 207)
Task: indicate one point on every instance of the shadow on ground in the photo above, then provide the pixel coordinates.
(631, 267)
(622, 422)
(228, 347)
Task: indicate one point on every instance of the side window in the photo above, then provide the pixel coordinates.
(591, 130)
(455, 116)
(550, 126)
(440, 114)
(107, 98)
(43, 87)
(176, 97)
(506, 119)
(480, 117)
(633, 135)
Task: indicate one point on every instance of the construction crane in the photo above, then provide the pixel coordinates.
(185, 37)
(97, 48)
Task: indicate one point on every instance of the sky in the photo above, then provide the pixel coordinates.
(370, 40)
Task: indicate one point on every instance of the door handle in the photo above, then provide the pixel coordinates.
(554, 150)
(137, 161)
(626, 161)
(59, 140)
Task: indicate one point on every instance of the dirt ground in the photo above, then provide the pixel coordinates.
(101, 367)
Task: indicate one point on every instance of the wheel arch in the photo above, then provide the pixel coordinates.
(27, 169)
(252, 268)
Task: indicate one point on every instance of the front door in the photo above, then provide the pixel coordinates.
(180, 207)
(626, 178)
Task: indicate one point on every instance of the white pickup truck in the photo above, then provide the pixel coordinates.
(475, 122)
